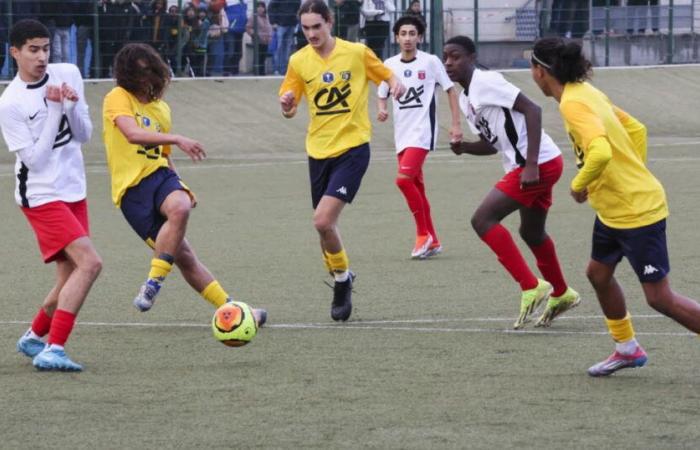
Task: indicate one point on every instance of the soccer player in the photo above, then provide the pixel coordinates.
(44, 120)
(611, 151)
(145, 185)
(509, 123)
(334, 75)
(415, 124)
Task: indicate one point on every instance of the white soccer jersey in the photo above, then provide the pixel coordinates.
(489, 110)
(415, 118)
(45, 137)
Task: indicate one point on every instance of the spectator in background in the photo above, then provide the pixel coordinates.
(3, 33)
(640, 20)
(570, 17)
(261, 35)
(347, 13)
(59, 20)
(171, 34)
(377, 17)
(154, 21)
(236, 12)
(215, 37)
(23, 9)
(415, 10)
(82, 11)
(283, 17)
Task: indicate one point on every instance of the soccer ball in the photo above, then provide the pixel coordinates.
(234, 324)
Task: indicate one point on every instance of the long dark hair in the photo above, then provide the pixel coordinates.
(316, 7)
(139, 69)
(564, 60)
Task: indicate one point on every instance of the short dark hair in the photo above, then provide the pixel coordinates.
(27, 29)
(316, 7)
(139, 69)
(564, 60)
(463, 41)
(409, 20)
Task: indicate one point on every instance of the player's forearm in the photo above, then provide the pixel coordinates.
(598, 156)
(79, 121)
(37, 155)
(453, 97)
(479, 148)
(140, 136)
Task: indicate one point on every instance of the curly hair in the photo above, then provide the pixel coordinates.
(139, 69)
(564, 60)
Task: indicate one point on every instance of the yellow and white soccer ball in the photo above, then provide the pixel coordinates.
(234, 324)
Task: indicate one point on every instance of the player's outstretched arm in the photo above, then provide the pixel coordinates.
(77, 113)
(288, 104)
(479, 148)
(137, 135)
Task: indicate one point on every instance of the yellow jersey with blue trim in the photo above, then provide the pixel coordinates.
(337, 91)
(623, 192)
(130, 163)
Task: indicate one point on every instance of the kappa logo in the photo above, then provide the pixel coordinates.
(649, 269)
(342, 190)
(412, 98)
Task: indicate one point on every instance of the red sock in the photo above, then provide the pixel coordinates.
(415, 203)
(548, 264)
(502, 244)
(61, 326)
(41, 323)
(426, 207)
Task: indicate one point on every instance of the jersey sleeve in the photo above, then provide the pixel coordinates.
(14, 129)
(582, 122)
(383, 90)
(376, 70)
(441, 74)
(494, 90)
(635, 130)
(292, 82)
(117, 104)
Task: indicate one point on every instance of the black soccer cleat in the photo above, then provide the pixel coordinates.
(341, 308)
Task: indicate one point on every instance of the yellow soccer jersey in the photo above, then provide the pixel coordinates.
(625, 194)
(337, 91)
(131, 163)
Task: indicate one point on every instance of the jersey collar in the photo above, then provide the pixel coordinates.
(40, 83)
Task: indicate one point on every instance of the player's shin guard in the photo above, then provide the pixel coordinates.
(414, 200)
(549, 266)
(41, 323)
(621, 330)
(214, 294)
(161, 267)
(502, 244)
(339, 265)
(61, 327)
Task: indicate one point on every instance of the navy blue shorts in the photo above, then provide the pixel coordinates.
(644, 247)
(141, 203)
(338, 177)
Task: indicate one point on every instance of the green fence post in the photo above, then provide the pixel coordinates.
(669, 59)
(607, 33)
(476, 25)
(96, 56)
(436, 27)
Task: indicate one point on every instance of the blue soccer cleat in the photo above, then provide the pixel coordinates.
(147, 295)
(51, 359)
(260, 316)
(29, 346)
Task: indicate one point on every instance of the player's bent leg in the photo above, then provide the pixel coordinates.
(663, 299)
(607, 289)
(87, 267)
(176, 209)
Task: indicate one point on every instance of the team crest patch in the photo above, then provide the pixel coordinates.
(345, 75)
(421, 74)
(328, 77)
(146, 121)
(407, 73)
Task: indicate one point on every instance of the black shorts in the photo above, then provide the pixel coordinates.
(644, 247)
(338, 177)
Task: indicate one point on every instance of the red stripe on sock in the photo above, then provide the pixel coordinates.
(548, 263)
(61, 327)
(41, 323)
(502, 244)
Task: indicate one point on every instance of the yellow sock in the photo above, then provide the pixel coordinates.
(214, 294)
(326, 261)
(160, 269)
(621, 330)
(338, 262)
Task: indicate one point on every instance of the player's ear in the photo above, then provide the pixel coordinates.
(14, 52)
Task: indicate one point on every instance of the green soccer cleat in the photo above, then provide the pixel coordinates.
(531, 301)
(557, 306)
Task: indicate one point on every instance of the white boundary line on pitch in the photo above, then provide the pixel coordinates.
(381, 325)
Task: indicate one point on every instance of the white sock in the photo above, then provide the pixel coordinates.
(32, 335)
(627, 348)
(55, 347)
(342, 276)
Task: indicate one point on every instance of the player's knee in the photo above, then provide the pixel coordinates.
(404, 180)
(91, 263)
(531, 237)
(480, 224)
(323, 224)
(659, 299)
(179, 212)
(596, 278)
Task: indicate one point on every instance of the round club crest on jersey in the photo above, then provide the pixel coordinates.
(146, 121)
(407, 73)
(328, 77)
(345, 75)
(421, 74)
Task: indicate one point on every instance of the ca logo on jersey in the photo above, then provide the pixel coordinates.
(65, 135)
(483, 126)
(412, 98)
(333, 100)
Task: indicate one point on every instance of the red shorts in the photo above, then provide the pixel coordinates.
(539, 195)
(411, 161)
(57, 224)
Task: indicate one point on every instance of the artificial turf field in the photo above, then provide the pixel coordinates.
(428, 359)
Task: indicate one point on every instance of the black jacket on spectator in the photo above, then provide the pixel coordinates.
(22, 9)
(83, 11)
(56, 13)
(283, 12)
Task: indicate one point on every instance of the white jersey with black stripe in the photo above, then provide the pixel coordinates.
(56, 171)
(415, 114)
(488, 106)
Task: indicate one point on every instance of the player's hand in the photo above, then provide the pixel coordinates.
(192, 148)
(456, 134)
(581, 196)
(287, 101)
(382, 115)
(456, 147)
(53, 94)
(530, 176)
(397, 89)
(69, 93)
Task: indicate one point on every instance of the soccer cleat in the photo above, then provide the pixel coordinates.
(557, 306)
(530, 301)
(53, 359)
(342, 300)
(422, 246)
(29, 346)
(434, 249)
(353, 275)
(260, 316)
(147, 295)
(618, 361)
